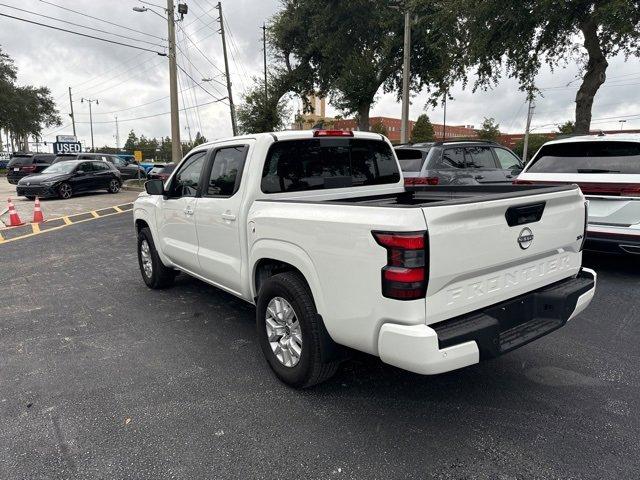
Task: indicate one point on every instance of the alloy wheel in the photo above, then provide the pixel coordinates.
(284, 332)
(145, 256)
(114, 186)
(65, 191)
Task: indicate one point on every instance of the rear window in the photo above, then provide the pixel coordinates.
(319, 164)
(587, 157)
(411, 159)
(64, 158)
(19, 160)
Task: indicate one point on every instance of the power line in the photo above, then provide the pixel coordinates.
(200, 51)
(82, 34)
(102, 20)
(82, 26)
(200, 85)
(120, 120)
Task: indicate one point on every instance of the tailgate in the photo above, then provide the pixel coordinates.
(614, 211)
(477, 259)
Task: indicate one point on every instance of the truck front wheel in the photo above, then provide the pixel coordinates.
(153, 271)
(289, 331)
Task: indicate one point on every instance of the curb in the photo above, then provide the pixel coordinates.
(9, 234)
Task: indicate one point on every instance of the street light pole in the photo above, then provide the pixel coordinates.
(90, 101)
(73, 118)
(622, 122)
(404, 128)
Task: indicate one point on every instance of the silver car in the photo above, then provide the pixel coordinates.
(457, 162)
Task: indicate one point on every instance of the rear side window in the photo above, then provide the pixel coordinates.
(480, 157)
(318, 164)
(587, 157)
(100, 166)
(43, 159)
(226, 171)
(451, 158)
(411, 159)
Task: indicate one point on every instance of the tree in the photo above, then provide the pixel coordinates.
(379, 127)
(490, 130)
(518, 37)
(24, 110)
(567, 127)
(259, 114)
(132, 142)
(423, 130)
(536, 140)
(199, 140)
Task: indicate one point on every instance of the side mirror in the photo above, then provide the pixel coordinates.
(154, 187)
(79, 172)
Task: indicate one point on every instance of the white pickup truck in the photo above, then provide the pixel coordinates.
(317, 230)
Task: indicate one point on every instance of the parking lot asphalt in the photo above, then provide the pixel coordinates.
(101, 377)
(55, 207)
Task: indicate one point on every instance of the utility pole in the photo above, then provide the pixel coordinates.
(90, 101)
(117, 135)
(176, 146)
(532, 107)
(73, 118)
(444, 121)
(404, 128)
(264, 50)
(234, 128)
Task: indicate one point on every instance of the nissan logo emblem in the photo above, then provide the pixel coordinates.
(525, 239)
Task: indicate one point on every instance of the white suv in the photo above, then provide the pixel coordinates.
(607, 169)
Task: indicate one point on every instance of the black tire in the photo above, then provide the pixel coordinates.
(161, 276)
(114, 186)
(65, 191)
(310, 370)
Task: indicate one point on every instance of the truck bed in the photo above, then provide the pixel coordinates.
(441, 195)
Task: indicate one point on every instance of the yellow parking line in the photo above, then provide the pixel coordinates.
(1, 238)
(35, 227)
(95, 214)
(118, 209)
(67, 221)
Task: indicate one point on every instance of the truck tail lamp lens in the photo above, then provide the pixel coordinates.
(410, 181)
(28, 168)
(332, 133)
(405, 275)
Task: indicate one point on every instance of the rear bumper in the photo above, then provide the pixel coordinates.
(490, 332)
(610, 242)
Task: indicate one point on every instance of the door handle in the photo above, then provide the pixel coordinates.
(509, 176)
(188, 211)
(229, 216)
(478, 177)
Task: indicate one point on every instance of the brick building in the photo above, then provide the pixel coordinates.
(511, 139)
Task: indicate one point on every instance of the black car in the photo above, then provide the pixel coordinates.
(66, 178)
(457, 162)
(22, 164)
(128, 169)
(161, 172)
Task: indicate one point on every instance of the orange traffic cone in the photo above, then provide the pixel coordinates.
(14, 218)
(37, 212)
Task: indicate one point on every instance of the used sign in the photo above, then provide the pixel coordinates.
(67, 147)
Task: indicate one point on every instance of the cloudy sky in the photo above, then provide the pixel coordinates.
(133, 84)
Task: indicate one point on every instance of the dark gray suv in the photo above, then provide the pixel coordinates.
(457, 162)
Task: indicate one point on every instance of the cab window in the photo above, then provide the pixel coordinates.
(226, 171)
(186, 180)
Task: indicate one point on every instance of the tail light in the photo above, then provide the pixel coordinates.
(630, 191)
(405, 275)
(410, 181)
(332, 133)
(28, 168)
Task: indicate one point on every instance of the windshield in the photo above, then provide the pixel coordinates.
(411, 159)
(60, 167)
(588, 157)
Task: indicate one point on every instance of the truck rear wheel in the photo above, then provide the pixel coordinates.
(289, 331)
(153, 271)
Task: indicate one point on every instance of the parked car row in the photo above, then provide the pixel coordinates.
(606, 167)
